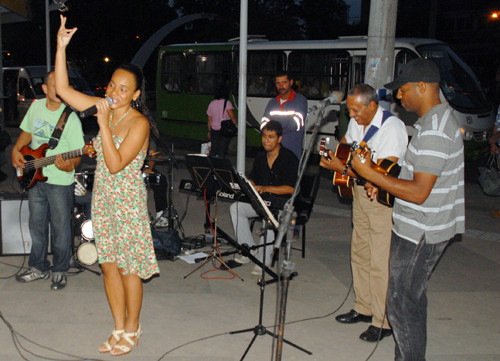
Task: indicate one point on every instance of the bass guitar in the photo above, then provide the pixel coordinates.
(36, 160)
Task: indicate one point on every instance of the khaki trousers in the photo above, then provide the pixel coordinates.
(370, 249)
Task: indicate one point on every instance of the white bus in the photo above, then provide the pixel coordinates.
(187, 75)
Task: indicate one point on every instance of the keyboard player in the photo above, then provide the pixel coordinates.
(274, 171)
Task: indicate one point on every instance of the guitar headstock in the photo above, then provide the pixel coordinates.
(89, 150)
(362, 150)
(322, 149)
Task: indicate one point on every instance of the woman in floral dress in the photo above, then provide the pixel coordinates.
(119, 202)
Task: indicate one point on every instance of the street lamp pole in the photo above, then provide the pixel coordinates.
(47, 34)
(57, 5)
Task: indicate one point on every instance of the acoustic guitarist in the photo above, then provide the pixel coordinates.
(50, 201)
(386, 136)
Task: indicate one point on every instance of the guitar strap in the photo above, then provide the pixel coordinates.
(373, 129)
(56, 134)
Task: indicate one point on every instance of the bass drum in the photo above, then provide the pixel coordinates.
(87, 253)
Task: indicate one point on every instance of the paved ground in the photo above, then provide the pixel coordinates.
(190, 319)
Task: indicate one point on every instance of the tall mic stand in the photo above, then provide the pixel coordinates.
(286, 227)
(268, 223)
(260, 329)
(171, 212)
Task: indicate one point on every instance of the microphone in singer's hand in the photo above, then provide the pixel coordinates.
(93, 109)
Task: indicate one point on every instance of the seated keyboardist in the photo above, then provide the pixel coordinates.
(274, 171)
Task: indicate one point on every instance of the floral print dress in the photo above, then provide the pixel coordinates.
(120, 216)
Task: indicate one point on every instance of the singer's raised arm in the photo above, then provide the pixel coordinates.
(72, 97)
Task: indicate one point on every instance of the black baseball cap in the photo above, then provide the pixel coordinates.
(416, 71)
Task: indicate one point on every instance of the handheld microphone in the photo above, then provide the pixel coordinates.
(93, 109)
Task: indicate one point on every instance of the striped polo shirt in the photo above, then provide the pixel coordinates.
(437, 148)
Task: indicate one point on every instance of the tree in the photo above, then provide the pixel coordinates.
(323, 19)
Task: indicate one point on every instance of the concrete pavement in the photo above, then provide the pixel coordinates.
(190, 318)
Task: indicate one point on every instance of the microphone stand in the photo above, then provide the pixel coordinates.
(286, 227)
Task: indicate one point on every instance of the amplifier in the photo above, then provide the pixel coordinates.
(15, 237)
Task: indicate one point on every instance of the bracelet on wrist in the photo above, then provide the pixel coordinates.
(345, 170)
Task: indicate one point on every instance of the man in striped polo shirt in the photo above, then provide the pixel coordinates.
(429, 208)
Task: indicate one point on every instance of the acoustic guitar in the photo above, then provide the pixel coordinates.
(345, 183)
(36, 160)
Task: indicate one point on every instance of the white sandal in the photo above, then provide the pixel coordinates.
(106, 347)
(124, 348)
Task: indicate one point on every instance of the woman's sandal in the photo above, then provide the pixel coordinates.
(106, 347)
(120, 350)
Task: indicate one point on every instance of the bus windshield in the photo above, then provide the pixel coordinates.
(458, 83)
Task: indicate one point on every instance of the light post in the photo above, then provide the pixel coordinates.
(56, 5)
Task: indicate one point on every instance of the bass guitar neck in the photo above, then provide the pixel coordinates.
(36, 161)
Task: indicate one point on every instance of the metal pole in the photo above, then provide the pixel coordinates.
(2, 100)
(242, 88)
(380, 47)
(47, 34)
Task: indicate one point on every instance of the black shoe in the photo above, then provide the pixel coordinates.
(353, 317)
(58, 282)
(374, 334)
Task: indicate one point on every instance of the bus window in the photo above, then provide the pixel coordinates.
(171, 70)
(358, 64)
(402, 57)
(317, 72)
(458, 83)
(205, 71)
(262, 67)
(25, 91)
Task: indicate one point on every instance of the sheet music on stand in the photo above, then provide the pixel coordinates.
(250, 191)
(213, 174)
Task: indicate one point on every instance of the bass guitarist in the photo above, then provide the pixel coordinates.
(387, 138)
(50, 201)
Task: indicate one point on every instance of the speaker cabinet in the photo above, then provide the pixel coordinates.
(15, 234)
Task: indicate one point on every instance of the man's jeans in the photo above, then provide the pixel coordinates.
(410, 267)
(50, 203)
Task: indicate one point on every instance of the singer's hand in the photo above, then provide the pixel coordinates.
(103, 113)
(64, 35)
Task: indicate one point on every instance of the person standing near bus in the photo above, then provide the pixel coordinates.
(290, 109)
(386, 136)
(429, 209)
(219, 110)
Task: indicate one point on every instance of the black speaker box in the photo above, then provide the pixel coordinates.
(15, 237)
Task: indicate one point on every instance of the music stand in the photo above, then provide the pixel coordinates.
(216, 175)
(269, 222)
(212, 176)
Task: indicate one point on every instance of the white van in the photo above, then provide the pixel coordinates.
(23, 85)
